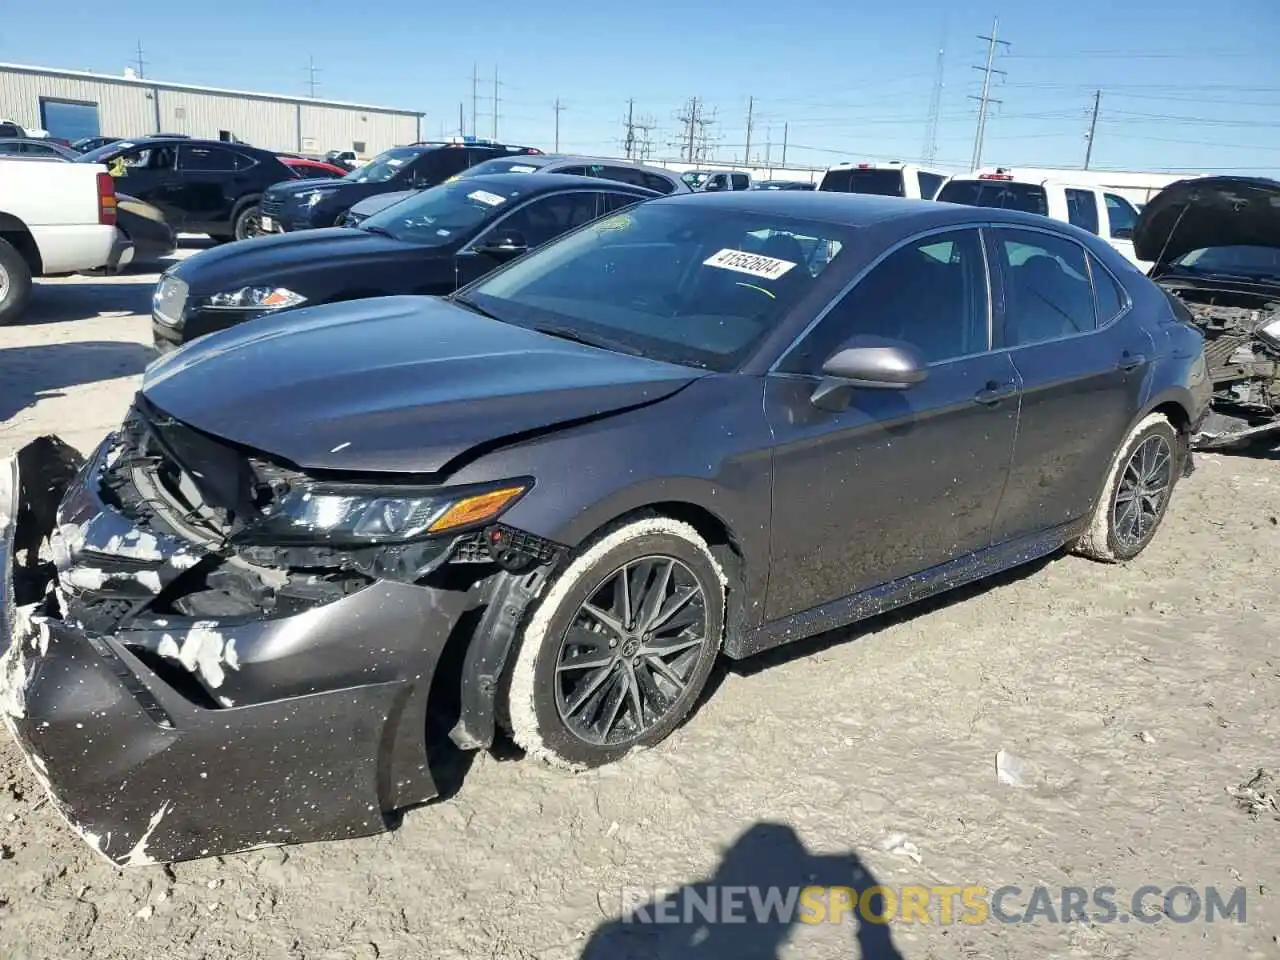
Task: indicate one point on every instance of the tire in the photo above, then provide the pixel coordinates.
(1151, 458)
(247, 222)
(15, 283)
(541, 692)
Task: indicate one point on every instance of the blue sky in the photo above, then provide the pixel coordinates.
(1185, 86)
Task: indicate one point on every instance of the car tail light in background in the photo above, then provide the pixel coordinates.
(106, 200)
(1000, 174)
(864, 166)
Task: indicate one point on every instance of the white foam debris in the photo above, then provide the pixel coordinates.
(134, 545)
(14, 675)
(149, 579)
(226, 702)
(204, 651)
(184, 560)
(137, 857)
(84, 578)
(168, 647)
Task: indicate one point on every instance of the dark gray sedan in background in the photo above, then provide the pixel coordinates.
(702, 426)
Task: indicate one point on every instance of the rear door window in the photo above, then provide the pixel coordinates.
(1122, 216)
(198, 159)
(1082, 209)
(929, 184)
(1047, 290)
(1109, 297)
(657, 182)
(740, 181)
(545, 218)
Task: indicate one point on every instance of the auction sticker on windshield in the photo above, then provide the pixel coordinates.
(484, 196)
(522, 168)
(752, 264)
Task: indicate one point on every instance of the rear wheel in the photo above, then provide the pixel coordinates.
(15, 283)
(615, 655)
(1136, 494)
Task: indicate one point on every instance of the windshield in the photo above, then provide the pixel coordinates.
(441, 215)
(674, 281)
(105, 152)
(1004, 194)
(384, 166)
(1261, 262)
(883, 183)
(695, 178)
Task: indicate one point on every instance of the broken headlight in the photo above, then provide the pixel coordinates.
(255, 298)
(354, 514)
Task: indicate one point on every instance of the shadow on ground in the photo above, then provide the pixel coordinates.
(80, 300)
(749, 908)
(45, 370)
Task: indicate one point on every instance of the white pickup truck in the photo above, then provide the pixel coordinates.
(1101, 212)
(55, 218)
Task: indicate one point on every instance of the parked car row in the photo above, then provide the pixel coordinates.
(588, 470)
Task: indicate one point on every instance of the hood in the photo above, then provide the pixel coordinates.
(280, 257)
(291, 188)
(394, 384)
(1208, 212)
(367, 208)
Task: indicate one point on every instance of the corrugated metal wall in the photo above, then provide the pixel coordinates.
(129, 109)
(123, 109)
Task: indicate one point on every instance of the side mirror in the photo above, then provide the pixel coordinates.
(871, 363)
(1122, 233)
(503, 243)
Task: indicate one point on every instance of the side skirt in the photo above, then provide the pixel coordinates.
(896, 593)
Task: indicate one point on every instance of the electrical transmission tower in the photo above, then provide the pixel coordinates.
(141, 63)
(635, 136)
(696, 143)
(984, 100)
(930, 151)
(312, 70)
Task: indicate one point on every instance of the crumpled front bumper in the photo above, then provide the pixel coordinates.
(326, 734)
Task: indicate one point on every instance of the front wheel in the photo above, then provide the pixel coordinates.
(248, 222)
(615, 655)
(15, 283)
(1136, 494)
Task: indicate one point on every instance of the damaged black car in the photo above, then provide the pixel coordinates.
(1215, 242)
(704, 426)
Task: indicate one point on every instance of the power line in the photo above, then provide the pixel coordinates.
(985, 99)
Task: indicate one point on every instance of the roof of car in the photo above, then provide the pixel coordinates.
(187, 142)
(532, 183)
(856, 209)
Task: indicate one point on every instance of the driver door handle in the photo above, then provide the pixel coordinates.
(1130, 361)
(994, 392)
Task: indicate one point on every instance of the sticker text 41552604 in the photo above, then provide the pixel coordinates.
(752, 264)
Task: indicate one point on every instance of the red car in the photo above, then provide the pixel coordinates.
(312, 169)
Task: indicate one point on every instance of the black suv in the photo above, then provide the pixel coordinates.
(203, 186)
(303, 204)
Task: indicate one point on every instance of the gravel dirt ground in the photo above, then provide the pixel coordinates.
(1130, 700)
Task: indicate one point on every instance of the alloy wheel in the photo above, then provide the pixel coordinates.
(4, 284)
(631, 650)
(1143, 491)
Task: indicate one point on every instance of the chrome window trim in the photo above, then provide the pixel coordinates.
(861, 275)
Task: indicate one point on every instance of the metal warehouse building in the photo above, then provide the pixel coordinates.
(74, 104)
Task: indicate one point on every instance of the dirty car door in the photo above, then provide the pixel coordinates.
(900, 480)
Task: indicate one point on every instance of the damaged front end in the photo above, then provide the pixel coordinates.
(207, 651)
(1242, 354)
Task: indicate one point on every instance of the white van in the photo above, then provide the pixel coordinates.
(892, 179)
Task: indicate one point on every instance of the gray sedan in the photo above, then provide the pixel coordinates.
(637, 174)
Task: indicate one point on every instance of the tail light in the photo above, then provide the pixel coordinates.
(106, 200)
(994, 176)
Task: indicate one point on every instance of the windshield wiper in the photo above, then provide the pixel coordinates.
(576, 336)
(474, 307)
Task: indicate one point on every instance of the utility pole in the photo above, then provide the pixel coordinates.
(311, 76)
(696, 142)
(629, 139)
(930, 151)
(475, 97)
(768, 150)
(985, 99)
(691, 125)
(746, 150)
(786, 128)
(559, 109)
(495, 103)
(1093, 127)
(462, 122)
(140, 62)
